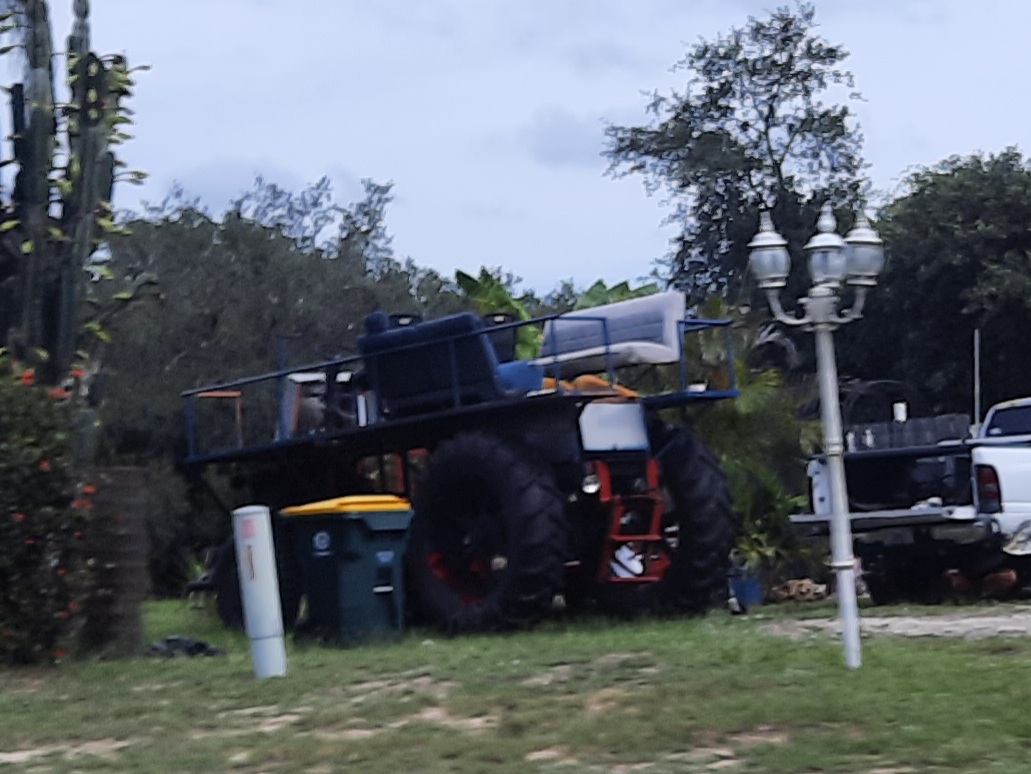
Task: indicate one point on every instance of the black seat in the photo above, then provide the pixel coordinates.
(431, 366)
(503, 339)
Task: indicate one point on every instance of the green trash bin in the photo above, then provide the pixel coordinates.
(350, 551)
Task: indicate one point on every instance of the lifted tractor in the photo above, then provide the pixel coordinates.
(537, 484)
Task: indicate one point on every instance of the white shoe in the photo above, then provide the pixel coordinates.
(626, 563)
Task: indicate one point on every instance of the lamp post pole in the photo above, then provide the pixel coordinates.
(856, 259)
(842, 560)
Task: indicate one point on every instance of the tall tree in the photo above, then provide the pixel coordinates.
(60, 207)
(274, 280)
(756, 126)
(958, 245)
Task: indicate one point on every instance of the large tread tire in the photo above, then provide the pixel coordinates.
(226, 580)
(228, 599)
(697, 489)
(488, 538)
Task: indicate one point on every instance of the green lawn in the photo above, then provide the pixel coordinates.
(715, 694)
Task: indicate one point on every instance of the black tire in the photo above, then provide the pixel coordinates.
(699, 520)
(226, 580)
(894, 579)
(488, 538)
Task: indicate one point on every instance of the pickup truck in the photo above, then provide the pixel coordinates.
(935, 509)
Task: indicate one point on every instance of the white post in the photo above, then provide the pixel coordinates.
(842, 560)
(259, 589)
(977, 381)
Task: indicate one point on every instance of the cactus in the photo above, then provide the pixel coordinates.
(60, 208)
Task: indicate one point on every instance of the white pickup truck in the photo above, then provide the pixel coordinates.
(1001, 455)
(932, 505)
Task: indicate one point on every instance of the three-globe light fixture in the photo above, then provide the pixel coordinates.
(854, 261)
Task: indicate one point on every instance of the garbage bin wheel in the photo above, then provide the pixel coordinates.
(488, 537)
(226, 580)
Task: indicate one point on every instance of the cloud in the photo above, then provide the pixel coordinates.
(493, 211)
(607, 55)
(221, 182)
(557, 138)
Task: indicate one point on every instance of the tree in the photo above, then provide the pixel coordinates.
(285, 278)
(958, 253)
(750, 130)
(60, 207)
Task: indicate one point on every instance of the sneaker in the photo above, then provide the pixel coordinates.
(626, 562)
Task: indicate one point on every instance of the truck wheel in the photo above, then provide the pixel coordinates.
(226, 580)
(700, 524)
(487, 541)
(904, 579)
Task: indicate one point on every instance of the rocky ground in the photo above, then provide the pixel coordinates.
(973, 622)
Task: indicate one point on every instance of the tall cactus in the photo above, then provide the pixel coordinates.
(61, 203)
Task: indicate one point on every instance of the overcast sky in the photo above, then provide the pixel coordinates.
(488, 115)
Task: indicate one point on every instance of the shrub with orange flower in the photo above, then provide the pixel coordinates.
(44, 573)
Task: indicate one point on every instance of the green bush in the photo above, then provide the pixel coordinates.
(44, 516)
(181, 524)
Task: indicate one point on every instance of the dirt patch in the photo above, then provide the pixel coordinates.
(421, 685)
(442, 717)
(99, 748)
(556, 674)
(757, 736)
(613, 660)
(976, 624)
(605, 700)
(551, 754)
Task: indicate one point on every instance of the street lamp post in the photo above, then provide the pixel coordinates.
(855, 260)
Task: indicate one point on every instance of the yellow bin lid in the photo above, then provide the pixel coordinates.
(350, 504)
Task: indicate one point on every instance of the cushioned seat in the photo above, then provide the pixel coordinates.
(631, 332)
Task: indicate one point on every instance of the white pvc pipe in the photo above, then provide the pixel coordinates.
(259, 589)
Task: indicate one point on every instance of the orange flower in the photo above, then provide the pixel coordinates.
(77, 373)
(44, 465)
(58, 393)
(81, 504)
(89, 489)
(28, 376)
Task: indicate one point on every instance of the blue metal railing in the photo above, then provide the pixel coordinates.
(199, 446)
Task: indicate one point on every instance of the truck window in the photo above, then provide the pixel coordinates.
(1015, 420)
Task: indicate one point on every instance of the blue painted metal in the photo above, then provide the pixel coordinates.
(330, 368)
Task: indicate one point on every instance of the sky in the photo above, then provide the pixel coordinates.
(488, 116)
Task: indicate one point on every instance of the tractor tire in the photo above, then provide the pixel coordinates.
(225, 578)
(701, 519)
(488, 537)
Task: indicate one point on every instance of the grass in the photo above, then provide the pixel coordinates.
(716, 694)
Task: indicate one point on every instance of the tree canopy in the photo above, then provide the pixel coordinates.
(756, 126)
(282, 279)
(958, 248)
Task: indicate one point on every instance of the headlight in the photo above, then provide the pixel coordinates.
(591, 484)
